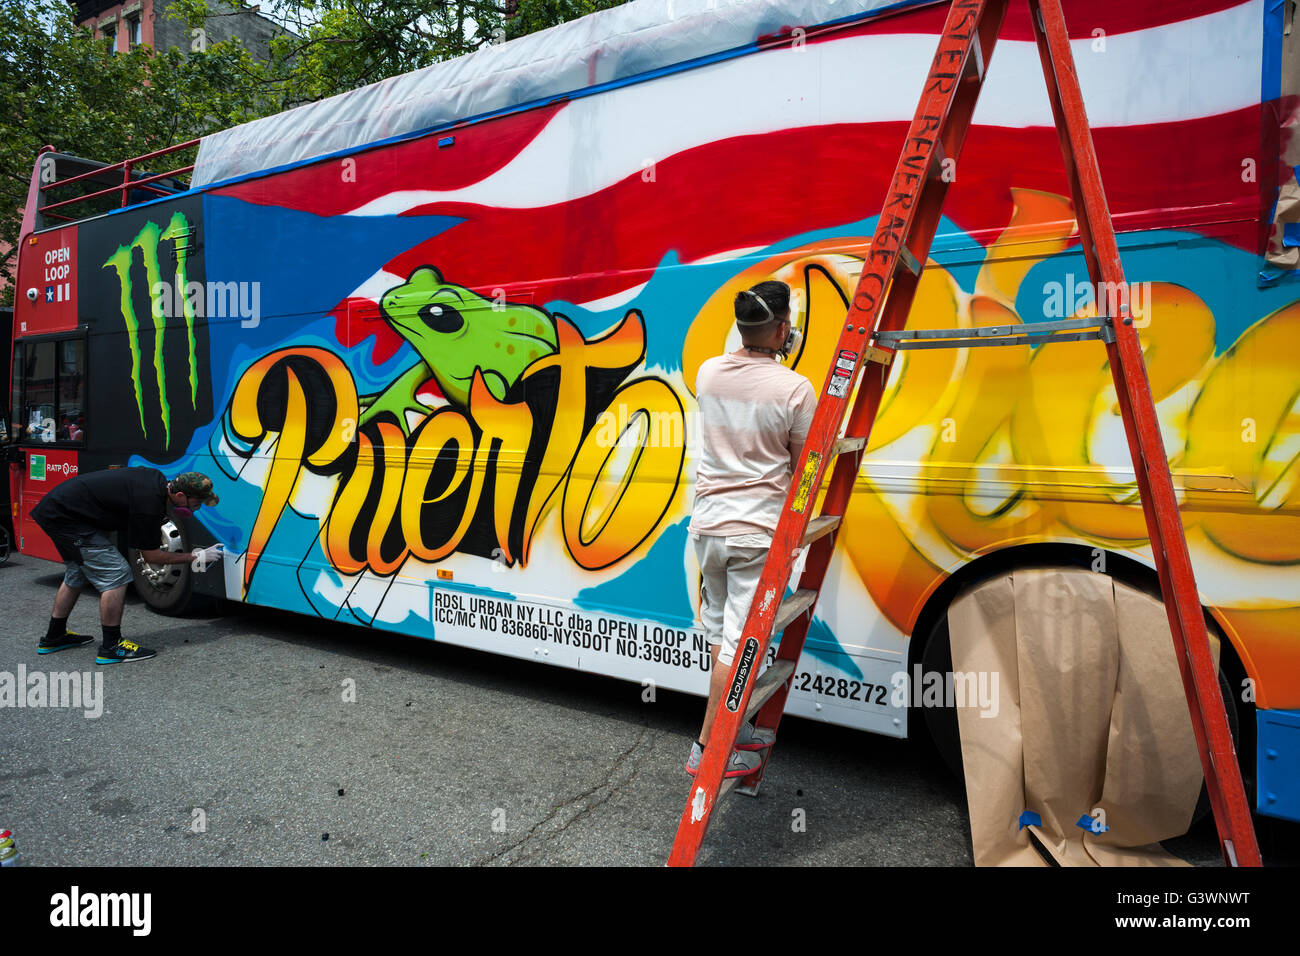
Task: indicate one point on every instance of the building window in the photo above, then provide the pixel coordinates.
(109, 33)
(133, 31)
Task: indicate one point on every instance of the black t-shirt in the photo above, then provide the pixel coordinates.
(133, 500)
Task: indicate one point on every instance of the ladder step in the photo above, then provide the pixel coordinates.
(768, 684)
(906, 257)
(880, 356)
(792, 607)
(977, 61)
(848, 444)
(937, 159)
(820, 527)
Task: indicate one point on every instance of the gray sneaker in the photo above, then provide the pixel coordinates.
(754, 738)
(742, 763)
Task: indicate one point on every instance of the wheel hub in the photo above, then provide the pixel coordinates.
(164, 576)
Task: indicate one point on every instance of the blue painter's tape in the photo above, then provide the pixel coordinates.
(1274, 23)
(1029, 819)
(1272, 275)
(1270, 91)
(1086, 822)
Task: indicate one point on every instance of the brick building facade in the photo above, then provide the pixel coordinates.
(148, 22)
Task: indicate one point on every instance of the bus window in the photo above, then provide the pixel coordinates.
(49, 391)
(72, 390)
(38, 392)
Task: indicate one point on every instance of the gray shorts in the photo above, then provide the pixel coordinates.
(100, 563)
(730, 568)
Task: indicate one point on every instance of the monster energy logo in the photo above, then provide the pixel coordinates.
(178, 230)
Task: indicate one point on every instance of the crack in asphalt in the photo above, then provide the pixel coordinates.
(539, 840)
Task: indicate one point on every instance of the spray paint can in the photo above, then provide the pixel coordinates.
(8, 850)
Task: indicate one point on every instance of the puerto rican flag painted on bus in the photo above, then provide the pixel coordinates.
(583, 200)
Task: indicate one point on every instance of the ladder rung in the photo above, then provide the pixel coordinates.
(880, 356)
(768, 684)
(792, 607)
(937, 158)
(847, 444)
(977, 57)
(907, 259)
(820, 527)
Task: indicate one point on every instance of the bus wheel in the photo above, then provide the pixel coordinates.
(167, 588)
(941, 721)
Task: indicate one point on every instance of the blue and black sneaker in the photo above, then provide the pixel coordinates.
(123, 652)
(49, 645)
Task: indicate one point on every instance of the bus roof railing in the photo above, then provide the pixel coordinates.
(131, 179)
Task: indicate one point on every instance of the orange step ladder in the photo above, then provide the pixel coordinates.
(875, 330)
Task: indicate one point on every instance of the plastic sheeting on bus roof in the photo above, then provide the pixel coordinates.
(605, 47)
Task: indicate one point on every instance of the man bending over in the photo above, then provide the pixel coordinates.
(78, 514)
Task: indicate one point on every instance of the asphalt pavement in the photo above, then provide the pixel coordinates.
(263, 738)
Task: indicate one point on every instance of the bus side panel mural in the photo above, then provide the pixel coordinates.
(466, 411)
(144, 294)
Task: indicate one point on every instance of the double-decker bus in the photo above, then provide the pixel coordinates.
(436, 339)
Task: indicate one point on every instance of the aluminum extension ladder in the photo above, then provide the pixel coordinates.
(875, 329)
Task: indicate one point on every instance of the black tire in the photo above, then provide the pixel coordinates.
(168, 589)
(941, 722)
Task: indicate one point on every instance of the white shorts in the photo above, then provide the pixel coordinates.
(731, 567)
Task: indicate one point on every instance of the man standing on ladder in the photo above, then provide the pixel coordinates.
(754, 419)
